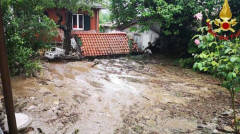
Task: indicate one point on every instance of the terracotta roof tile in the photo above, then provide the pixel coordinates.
(83, 32)
(101, 44)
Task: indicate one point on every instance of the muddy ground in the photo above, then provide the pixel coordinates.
(127, 95)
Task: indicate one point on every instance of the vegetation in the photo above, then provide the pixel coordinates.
(104, 17)
(28, 29)
(222, 59)
(174, 17)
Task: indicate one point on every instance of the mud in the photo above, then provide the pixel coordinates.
(129, 95)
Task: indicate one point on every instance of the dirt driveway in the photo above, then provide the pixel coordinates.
(129, 95)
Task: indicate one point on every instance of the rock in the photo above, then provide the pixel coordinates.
(23, 121)
(211, 126)
(32, 98)
(200, 127)
(40, 130)
(228, 129)
(31, 108)
(227, 113)
(215, 131)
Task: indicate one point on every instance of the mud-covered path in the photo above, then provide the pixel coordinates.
(124, 96)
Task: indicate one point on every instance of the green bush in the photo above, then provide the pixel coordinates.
(220, 58)
(21, 61)
(26, 31)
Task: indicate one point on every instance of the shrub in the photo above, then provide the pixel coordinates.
(220, 58)
(21, 61)
(26, 31)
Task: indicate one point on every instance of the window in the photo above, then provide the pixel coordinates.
(78, 22)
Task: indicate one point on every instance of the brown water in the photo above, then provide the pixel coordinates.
(124, 95)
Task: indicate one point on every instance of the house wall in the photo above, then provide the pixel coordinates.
(52, 14)
(142, 38)
(94, 21)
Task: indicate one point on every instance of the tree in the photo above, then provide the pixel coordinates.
(26, 30)
(175, 17)
(104, 17)
(31, 24)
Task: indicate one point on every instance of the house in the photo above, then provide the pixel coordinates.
(86, 27)
(143, 39)
(81, 21)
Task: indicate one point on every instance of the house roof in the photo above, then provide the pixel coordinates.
(101, 44)
(154, 27)
(76, 32)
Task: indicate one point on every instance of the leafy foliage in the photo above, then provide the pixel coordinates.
(28, 29)
(104, 17)
(175, 17)
(35, 28)
(219, 57)
(20, 61)
(222, 59)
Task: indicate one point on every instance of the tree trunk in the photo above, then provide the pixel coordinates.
(67, 29)
(67, 33)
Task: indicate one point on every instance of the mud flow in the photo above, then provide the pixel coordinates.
(128, 95)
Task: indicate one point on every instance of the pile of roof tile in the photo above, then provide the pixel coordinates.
(102, 44)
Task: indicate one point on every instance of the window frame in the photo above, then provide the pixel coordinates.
(78, 22)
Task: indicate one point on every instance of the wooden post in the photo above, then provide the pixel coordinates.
(6, 83)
